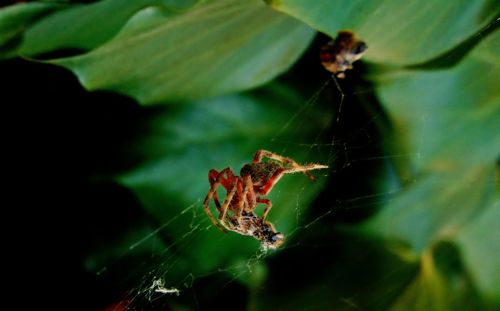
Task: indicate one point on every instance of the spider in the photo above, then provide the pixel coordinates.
(245, 192)
(338, 55)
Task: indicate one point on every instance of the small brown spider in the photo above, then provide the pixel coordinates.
(338, 55)
(244, 194)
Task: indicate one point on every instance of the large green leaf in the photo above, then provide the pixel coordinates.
(447, 122)
(180, 147)
(440, 284)
(87, 26)
(480, 241)
(435, 207)
(445, 117)
(397, 32)
(219, 47)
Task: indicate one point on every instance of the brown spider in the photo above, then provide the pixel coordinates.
(338, 55)
(244, 194)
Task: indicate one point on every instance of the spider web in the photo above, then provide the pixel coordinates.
(84, 244)
(351, 144)
(164, 281)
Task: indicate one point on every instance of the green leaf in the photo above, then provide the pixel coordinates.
(447, 124)
(441, 284)
(87, 26)
(397, 32)
(445, 117)
(435, 207)
(480, 242)
(14, 20)
(185, 142)
(219, 47)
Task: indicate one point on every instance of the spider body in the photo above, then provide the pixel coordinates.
(261, 173)
(244, 193)
(338, 55)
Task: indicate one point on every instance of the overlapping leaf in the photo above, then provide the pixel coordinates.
(397, 32)
(218, 47)
(87, 26)
(445, 117)
(14, 20)
(479, 240)
(448, 122)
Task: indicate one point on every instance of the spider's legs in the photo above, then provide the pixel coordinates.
(279, 173)
(213, 175)
(304, 168)
(225, 206)
(272, 181)
(215, 180)
(251, 199)
(243, 200)
(267, 209)
(207, 210)
(260, 154)
(225, 182)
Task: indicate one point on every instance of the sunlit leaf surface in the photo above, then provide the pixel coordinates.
(397, 32)
(218, 47)
(444, 117)
(86, 26)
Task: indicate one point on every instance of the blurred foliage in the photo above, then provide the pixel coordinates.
(14, 21)
(405, 219)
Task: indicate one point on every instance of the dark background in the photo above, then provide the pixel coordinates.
(60, 137)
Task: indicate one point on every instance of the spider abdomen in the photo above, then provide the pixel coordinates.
(260, 172)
